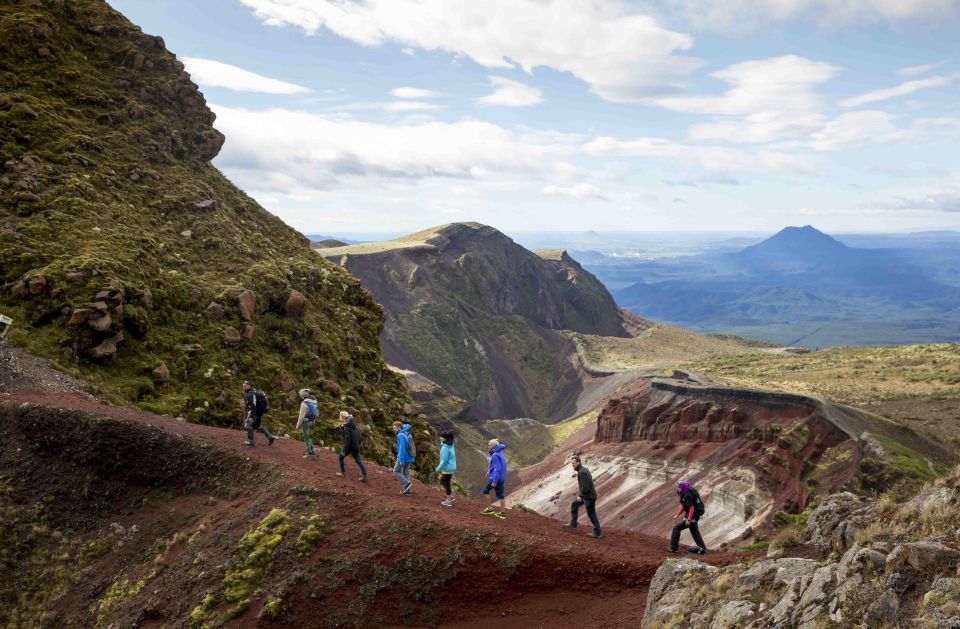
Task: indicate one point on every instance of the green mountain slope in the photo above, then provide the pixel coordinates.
(133, 263)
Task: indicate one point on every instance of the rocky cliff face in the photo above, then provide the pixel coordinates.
(477, 313)
(753, 454)
(893, 562)
(132, 262)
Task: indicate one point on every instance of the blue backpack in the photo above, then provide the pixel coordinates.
(311, 409)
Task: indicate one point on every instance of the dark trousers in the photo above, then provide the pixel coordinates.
(257, 427)
(694, 532)
(591, 506)
(445, 482)
(356, 457)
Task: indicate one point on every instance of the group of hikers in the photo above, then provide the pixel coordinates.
(691, 505)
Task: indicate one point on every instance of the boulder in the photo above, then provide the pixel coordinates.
(161, 374)
(231, 335)
(247, 301)
(821, 584)
(883, 611)
(37, 284)
(780, 572)
(19, 289)
(296, 304)
(670, 578)
(215, 310)
(926, 557)
(248, 330)
(26, 110)
(733, 615)
(147, 298)
(78, 316)
(206, 204)
(108, 348)
(331, 388)
(100, 322)
(74, 277)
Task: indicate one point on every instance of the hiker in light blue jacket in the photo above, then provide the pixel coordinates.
(447, 466)
(406, 454)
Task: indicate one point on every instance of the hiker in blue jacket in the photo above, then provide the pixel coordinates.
(447, 466)
(406, 454)
(496, 479)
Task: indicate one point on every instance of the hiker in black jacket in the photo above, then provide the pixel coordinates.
(351, 444)
(586, 497)
(256, 406)
(691, 506)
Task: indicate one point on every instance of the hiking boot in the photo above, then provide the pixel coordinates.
(446, 503)
(696, 550)
(250, 444)
(671, 549)
(308, 457)
(569, 526)
(270, 440)
(500, 514)
(487, 511)
(595, 535)
(363, 479)
(406, 489)
(340, 474)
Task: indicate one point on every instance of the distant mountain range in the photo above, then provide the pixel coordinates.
(801, 286)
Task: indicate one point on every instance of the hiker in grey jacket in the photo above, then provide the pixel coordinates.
(586, 497)
(351, 444)
(307, 419)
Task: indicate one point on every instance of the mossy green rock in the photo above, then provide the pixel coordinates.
(117, 235)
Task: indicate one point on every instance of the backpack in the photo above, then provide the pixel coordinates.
(411, 446)
(260, 402)
(698, 507)
(311, 409)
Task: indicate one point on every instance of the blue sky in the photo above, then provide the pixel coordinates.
(536, 115)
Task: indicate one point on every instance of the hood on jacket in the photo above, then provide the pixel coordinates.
(683, 486)
(405, 428)
(500, 447)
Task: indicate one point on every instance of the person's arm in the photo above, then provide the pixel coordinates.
(499, 471)
(303, 413)
(690, 513)
(444, 455)
(679, 511)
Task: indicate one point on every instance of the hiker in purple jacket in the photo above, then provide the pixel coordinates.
(496, 479)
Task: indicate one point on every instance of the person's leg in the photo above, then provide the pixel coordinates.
(343, 470)
(445, 483)
(487, 498)
(266, 433)
(675, 535)
(405, 473)
(250, 436)
(501, 491)
(363, 470)
(592, 514)
(306, 427)
(695, 532)
(574, 512)
(397, 472)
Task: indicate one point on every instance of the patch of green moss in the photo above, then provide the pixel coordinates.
(115, 596)
(256, 556)
(202, 611)
(314, 530)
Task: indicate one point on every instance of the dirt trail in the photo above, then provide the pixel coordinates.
(610, 591)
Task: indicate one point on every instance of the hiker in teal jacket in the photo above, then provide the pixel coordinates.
(447, 466)
(406, 454)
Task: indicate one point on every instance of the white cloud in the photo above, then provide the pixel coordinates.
(410, 52)
(288, 150)
(578, 191)
(413, 92)
(768, 100)
(409, 105)
(856, 128)
(713, 158)
(903, 89)
(917, 70)
(509, 93)
(776, 84)
(624, 55)
(739, 15)
(210, 73)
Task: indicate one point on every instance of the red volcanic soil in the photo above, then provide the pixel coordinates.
(532, 574)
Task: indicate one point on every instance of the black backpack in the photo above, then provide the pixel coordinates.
(260, 402)
(698, 508)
